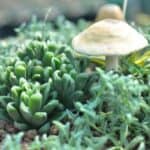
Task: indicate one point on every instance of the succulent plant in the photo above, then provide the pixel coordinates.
(32, 104)
(73, 86)
(45, 77)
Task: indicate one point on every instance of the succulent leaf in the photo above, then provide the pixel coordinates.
(20, 71)
(47, 58)
(51, 106)
(44, 128)
(39, 118)
(35, 102)
(25, 111)
(24, 97)
(21, 126)
(13, 112)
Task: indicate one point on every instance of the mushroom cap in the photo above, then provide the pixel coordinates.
(112, 11)
(109, 37)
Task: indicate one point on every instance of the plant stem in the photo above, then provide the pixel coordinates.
(125, 8)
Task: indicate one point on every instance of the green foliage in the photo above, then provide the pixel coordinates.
(12, 142)
(44, 84)
(30, 107)
(137, 63)
(115, 117)
(117, 110)
(7, 50)
(43, 77)
(61, 30)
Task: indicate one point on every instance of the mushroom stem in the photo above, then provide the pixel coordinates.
(112, 63)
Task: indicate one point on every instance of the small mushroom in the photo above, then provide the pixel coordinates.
(111, 11)
(111, 38)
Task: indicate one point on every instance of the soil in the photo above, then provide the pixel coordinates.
(29, 136)
(6, 128)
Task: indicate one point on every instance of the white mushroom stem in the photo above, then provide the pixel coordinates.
(112, 62)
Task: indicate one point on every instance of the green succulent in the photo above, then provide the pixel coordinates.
(43, 78)
(37, 61)
(72, 86)
(30, 106)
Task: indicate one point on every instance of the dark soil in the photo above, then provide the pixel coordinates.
(29, 135)
(6, 128)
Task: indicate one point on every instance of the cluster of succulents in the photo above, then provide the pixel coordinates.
(61, 30)
(43, 78)
(37, 61)
(116, 116)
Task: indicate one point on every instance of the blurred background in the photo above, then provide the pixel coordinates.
(15, 12)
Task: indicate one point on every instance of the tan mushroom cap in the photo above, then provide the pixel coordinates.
(112, 11)
(109, 37)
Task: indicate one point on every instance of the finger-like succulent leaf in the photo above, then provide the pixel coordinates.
(20, 71)
(24, 97)
(38, 70)
(12, 78)
(47, 58)
(68, 83)
(21, 126)
(51, 106)
(27, 115)
(46, 90)
(47, 73)
(39, 118)
(36, 77)
(13, 112)
(15, 91)
(55, 62)
(78, 95)
(44, 128)
(35, 102)
(4, 100)
(81, 80)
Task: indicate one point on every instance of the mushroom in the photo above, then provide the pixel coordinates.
(111, 11)
(111, 38)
